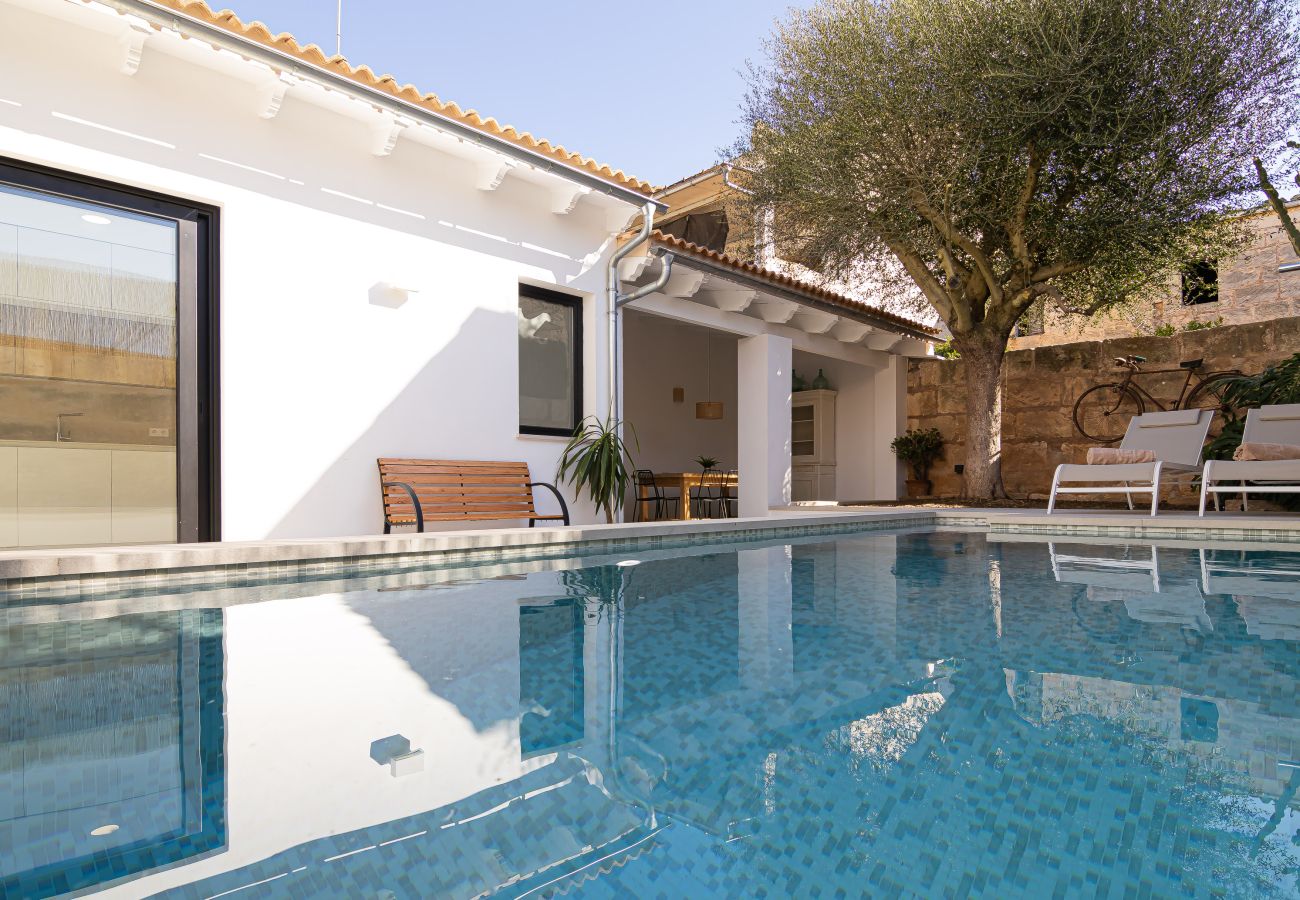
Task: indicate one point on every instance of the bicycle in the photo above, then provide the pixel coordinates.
(1102, 412)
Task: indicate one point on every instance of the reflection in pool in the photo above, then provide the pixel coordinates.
(112, 756)
(883, 714)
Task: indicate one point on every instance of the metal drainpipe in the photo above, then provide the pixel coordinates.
(762, 217)
(617, 299)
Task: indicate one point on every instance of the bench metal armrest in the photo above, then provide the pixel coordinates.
(564, 507)
(415, 501)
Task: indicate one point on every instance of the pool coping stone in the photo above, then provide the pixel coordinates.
(23, 573)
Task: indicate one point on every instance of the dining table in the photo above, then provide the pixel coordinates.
(685, 482)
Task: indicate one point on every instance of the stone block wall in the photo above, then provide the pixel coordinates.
(1251, 289)
(1041, 384)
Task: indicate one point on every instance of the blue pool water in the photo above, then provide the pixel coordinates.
(927, 714)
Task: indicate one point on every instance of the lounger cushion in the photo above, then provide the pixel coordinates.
(1255, 451)
(1114, 456)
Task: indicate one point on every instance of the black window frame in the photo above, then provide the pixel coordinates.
(576, 304)
(198, 506)
(1199, 283)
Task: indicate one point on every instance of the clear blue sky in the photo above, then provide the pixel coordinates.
(653, 88)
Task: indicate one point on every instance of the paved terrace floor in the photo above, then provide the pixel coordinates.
(281, 558)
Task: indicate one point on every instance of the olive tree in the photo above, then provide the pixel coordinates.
(994, 154)
(1275, 200)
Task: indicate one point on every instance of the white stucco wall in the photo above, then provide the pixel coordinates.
(316, 380)
(659, 355)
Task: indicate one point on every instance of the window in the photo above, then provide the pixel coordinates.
(1200, 283)
(705, 229)
(107, 299)
(1031, 322)
(550, 361)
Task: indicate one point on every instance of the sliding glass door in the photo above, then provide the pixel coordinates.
(105, 381)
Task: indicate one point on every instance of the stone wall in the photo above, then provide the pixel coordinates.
(1041, 384)
(1251, 289)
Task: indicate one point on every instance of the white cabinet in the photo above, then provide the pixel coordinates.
(64, 494)
(812, 445)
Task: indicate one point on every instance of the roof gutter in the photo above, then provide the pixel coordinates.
(213, 34)
(693, 180)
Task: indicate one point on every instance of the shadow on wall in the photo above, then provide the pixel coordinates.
(450, 409)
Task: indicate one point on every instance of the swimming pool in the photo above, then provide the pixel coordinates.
(930, 713)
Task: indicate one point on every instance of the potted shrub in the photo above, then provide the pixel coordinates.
(597, 459)
(919, 448)
(707, 463)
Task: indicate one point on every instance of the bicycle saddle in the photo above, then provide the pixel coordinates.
(1191, 363)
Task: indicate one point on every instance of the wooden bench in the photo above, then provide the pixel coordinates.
(416, 491)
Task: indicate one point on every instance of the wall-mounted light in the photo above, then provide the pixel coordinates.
(679, 395)
(385, 293)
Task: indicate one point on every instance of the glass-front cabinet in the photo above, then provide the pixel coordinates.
(812, 445)
(91, 350)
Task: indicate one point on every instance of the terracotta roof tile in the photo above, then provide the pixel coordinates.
(786, 281)
(365, 76)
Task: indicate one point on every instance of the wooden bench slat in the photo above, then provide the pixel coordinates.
(522, 506)
(433, 489)
(444, 477)
(417, 466)
(468, 463)
(410, 520)
(459, 480)
(457, 491)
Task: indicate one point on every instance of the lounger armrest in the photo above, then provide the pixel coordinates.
(564, 507)
(415, 501)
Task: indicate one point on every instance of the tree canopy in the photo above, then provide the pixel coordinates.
(993, 153)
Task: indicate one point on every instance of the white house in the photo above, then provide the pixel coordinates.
(235, 271)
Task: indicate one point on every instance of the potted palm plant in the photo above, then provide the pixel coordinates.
(707, 463)
(596, 460)
(919, 448)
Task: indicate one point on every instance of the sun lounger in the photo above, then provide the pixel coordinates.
(1172, 441)
(1114, 572)
(1275, 425)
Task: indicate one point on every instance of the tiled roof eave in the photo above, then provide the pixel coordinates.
(793, 289)
(285, 52)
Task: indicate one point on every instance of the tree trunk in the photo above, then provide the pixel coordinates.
(981, 357)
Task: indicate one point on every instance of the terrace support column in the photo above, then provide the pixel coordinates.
(891, 421)
(764, 601)
(763, 422)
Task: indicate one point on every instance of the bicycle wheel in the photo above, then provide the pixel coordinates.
(1102, 413)
(1209, 395)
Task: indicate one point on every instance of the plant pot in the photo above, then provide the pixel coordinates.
(918, 488)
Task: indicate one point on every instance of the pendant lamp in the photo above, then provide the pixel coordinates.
(709, 409)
